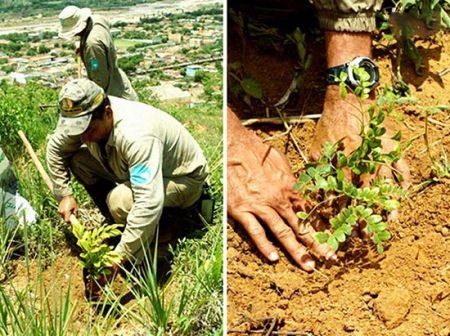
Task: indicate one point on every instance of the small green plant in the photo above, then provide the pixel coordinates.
(344, 203)
(97, 256)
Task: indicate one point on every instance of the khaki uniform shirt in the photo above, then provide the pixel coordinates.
(145, 146)
(99, 57)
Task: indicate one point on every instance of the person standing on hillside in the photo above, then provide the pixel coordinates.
(96, 49)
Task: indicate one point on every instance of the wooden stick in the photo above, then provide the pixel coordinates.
(292, 333)
(79, 65)
(280, 121)
(41, 169)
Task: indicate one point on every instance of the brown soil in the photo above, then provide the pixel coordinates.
(404, 291)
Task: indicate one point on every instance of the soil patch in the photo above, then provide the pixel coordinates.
(404, 291)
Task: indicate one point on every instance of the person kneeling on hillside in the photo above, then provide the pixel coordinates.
(133, 160)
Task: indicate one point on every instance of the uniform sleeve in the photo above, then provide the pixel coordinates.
(60, 149)
(347, 15)
(96, 62)
(146, 178)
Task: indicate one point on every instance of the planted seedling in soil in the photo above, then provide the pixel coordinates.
(96, 257)
(346, 204)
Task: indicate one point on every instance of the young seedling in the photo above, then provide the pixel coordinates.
(96, 257)
(343, 203)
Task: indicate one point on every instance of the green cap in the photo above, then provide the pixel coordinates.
(77, 100)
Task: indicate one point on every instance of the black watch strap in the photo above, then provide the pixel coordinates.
(332, 75)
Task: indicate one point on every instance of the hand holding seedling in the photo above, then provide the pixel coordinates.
(341, 121)
(67, 206)
(358, 201)
(344, 113)
(260, 190)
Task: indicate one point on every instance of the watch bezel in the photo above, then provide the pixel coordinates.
(366, 62)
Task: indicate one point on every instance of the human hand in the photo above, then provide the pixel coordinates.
(67, 206)
(341, 120)
(260, 190)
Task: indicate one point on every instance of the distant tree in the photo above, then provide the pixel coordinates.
(43, 49)
(31, 52)
(119, 24)
(7, 68)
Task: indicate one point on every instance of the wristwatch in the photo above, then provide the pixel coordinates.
(366, 63)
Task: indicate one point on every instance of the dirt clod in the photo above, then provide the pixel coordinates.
(392, 306)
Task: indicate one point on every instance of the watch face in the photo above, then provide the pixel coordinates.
(366, 64)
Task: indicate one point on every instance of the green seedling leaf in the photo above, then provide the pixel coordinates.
(390, 205)
(397, 136)
(311, 171)
(366, 212)
(343, 89)
(347, 229)
(339, 235)
(252, 87)
(321, 237)
(373, 219)
(380, 227)
(302, 215)
(380, 248)
(384, 235)
(328, 150)
(351, 220)
(341, 160)
(333, 243)
(321, 182)
(331, 183)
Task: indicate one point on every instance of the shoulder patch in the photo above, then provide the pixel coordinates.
(141, 174)
(93, 63)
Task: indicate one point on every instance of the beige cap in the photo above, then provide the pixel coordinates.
(76, 102)
(73, 20)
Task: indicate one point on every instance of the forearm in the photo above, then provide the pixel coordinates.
(57, 155)
(342, 47)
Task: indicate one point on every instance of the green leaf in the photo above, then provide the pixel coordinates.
(380, 248)
(384, 235)
(347, 229)
(397, 136)
(252, 87)
(373, 219)
(390, 205)
(333, 243)
(321, 182)
(311, 171)
(321, 237)
(331, 182)
(302, 215)
(339, 235)
(380, 227)
(340, 176)
(351, 220)
(334, 222)
(341, 160)
(343, 89)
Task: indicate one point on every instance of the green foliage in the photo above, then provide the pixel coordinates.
(324, 182)
(96, 255)
(130, 63)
